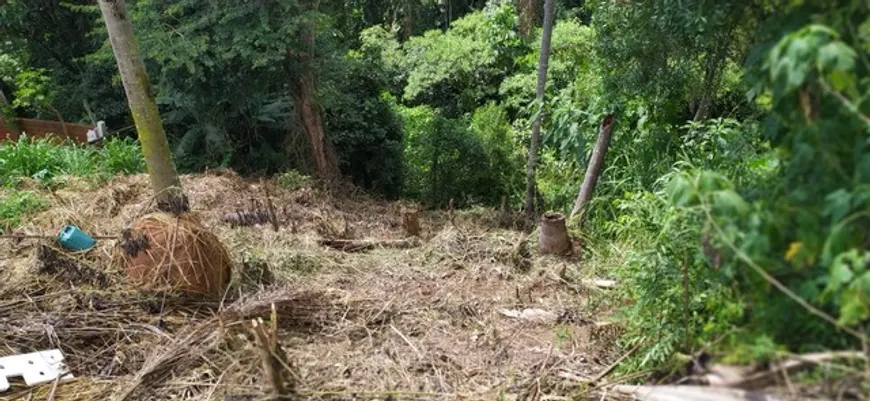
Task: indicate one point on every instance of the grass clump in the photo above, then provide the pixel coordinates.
(44, 160)
(15, 205)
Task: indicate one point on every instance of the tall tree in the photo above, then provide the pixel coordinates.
(543, 65)
(161, 169)
(304, 90)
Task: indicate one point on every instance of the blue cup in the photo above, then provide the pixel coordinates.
(72, 238)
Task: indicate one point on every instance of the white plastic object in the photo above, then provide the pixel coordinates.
(35, 368)
(99, 132)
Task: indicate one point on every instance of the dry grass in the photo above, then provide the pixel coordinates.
(421, 323)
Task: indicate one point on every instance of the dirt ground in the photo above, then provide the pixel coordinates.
(436, 321)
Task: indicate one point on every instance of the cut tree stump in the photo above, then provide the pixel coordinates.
(554, 235)
(411, 221)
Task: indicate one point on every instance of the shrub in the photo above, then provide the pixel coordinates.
(364, 129)
(444, 160)
(504, 152)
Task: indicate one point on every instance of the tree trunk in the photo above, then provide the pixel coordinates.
(408, 23)
(528, 10)
(708, 85)
(596, 164)
(161, 169)
(543, 65)
(304, 90)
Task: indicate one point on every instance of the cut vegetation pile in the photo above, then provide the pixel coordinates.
(463, 312)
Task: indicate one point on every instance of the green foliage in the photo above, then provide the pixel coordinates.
(293, 180)
(364, 129)
(671, 53)
(445, 160)
(678, 299)
(43, 160)
(571, 69)
(504, 153)
(455, 69)
(38, 159)
(121, 156)
(50, 39)
(16, 205)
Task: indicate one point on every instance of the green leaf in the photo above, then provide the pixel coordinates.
(710, 181)
(840, 272)
(837, 205)
(841, 80)
(836, 56)
(836, 243)
(680, 191)
(729, 201)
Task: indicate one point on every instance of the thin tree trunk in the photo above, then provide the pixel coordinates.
(56, 113)
(596, 164)
(161, 169)
(708, 85)
(543, 65)
(304, 89)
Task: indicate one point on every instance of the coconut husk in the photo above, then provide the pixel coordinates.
(162, 251)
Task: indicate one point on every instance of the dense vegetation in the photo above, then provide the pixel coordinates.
(736, 195)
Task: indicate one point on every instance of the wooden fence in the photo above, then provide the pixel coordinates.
(77, 133)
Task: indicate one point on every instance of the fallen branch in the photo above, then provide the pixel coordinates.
(349, 245)
(691, 393)
(725, 376)
(612, 366)
(600, 283)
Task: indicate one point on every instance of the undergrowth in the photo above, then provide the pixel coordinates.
(44, 160)
(16, 206)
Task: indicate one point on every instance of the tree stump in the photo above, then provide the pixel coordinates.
(554, 235)
(411, 222)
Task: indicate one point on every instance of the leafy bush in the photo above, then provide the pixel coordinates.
(364, 129)
(504, 152)
(680, 280)
(456, 69)
(15, 205)
(444, 160)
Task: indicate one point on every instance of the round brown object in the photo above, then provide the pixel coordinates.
(162, 251)
(554, 235)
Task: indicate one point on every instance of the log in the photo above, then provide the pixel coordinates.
(349, 245)
(691, 393)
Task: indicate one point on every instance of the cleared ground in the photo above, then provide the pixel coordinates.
(435, 321)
